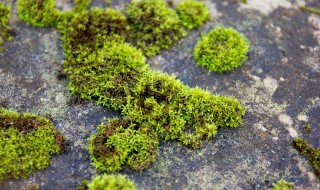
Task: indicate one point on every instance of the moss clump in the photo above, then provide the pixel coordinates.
(311, 10)
(221, 50)
(154, 25)
(26, 143)
(5, 31)
(109, 182)
(192, 13)
(88, 31)
(42, 13)
(282, 185)
(312, 154)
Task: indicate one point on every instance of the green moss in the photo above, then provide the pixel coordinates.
(42, 13)
(27, 142)
(154, 25)
(282, 185)
(110, 182)
(311, 10)
(192, 13)
(221, 50)
(307, 128)
(311, 153)
(5, 31)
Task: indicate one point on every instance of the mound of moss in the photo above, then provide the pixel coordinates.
(154, 25)
(27, 142)
(192, 13)
(313, 154)
(109, 182)
(42, 13)
(5, 31)
(282, 185)
(221, 50)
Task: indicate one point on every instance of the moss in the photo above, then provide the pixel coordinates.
(154, 25)
(307, 128)
(282, 185)
(27, 142)
(192, 13)
(5, 31)
(221, 50)
(42, 13)
(311, 153)
(109, 182)
(311, 10)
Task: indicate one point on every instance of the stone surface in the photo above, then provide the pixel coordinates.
(279, 86)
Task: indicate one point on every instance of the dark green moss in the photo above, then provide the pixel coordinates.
(282, 185)
(42, 13)
(311, 153)
(221, 50)
(192, 13)
(27, 142)
(154, 25)
(307, 128)
(5, 30)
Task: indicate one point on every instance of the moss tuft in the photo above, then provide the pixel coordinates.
(5, 31)
(192, 13)
(27, 142)
(221, 50)
(312, 154)
(42, 13)
(154, 25)
(282, 185)
(109, 182)
(311, 10)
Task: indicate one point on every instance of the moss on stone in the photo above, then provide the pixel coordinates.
(221, 50)
(311, 10)
(192, 13)
(43, 13)
(109, 182)
(5, 31)
(154, 25)
(27, 142)
(313, 154)
(282, 185)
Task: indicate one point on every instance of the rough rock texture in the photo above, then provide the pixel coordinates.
(279, 85)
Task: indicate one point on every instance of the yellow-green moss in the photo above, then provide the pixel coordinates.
(5, 31)
(282, 185)
(313, 154)
(154, 25)
(192, 13)
(221, 50)
(27, 142)
(311, 10)
(109, 182)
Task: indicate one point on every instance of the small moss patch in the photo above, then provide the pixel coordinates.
(192, 13)
(5, 31)
(27, 142)
(154, 25)
(282, 185)
(221, 50)
(109, 182)
(311, 153)
(311, 10)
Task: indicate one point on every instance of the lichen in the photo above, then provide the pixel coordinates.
(43, 13)
(27, 142)
(192, 13)
(5, 30)
(282, 185)
(221, 50)
(154, 25)
(109, 182)
(313, 154)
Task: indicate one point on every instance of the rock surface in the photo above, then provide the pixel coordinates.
(279, 85)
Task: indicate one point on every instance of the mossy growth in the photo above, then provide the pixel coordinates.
(5, 31)
(42, 13)
(311, 10)
(27, 142)
(108, 182)
(282, 185)
(221, 50)
(311, 153)
(192, 13)
(154, 25)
